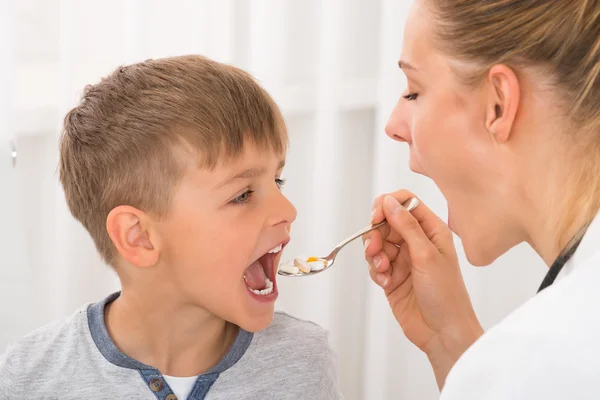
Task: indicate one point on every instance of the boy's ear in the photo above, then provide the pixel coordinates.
(130, 231)
(503, 102)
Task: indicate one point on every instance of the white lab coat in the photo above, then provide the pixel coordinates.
(549, 348)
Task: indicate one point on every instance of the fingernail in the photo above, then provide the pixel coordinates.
(367, 243)
(382, 280)
(373, 215)
(377, 262)
(392, 205)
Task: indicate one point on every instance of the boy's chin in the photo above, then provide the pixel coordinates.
(255, 323)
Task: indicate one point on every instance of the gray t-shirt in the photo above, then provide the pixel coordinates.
(75, 358)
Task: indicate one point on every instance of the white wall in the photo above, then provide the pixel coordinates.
(329, 64)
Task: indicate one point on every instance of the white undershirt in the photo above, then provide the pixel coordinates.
(181, 386)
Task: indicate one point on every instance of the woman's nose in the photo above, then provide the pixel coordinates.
(398, 127)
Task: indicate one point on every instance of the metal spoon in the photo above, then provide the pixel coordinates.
(410, 205)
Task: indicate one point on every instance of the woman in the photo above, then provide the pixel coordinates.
(502, 111)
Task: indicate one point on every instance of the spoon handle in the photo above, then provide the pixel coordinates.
(410, 205)
(355, 236)
(362, 232)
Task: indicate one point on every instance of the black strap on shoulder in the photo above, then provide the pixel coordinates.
(562, 259)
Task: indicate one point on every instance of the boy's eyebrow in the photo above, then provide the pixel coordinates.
(247, 174)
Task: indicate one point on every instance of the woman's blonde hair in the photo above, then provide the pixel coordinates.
(559, 37)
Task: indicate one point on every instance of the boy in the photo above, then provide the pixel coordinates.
(173, 166)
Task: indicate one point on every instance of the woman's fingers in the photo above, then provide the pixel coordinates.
(408, 228)
(378, 215)
(373, 240)
(374, 246)
(382, 275)
(389, 267)
(434, 228)
(389, 253)
(421, 233)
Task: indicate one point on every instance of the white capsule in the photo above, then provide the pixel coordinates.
(289, 268)
(302, 264)
(317, 265)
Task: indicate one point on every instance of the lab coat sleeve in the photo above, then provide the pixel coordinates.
(523, 367)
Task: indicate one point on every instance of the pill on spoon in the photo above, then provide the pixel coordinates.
(317, 265)
(301, 264)
(289, 268)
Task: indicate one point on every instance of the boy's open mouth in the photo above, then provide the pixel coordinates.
(259, 276)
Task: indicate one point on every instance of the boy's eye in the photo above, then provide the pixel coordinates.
(247, 195)
(411, 96)
(280, 182)
(243, 198)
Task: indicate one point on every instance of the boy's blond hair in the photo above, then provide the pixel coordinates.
(122, 144)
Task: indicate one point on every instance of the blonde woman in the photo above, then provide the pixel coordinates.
(502, 112)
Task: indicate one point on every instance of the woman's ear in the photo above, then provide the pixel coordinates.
(504, 97)
(131, 232)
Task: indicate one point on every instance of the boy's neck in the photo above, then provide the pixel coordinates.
(177, 340)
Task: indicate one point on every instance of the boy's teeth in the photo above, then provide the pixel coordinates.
(267, 290)
(276, 249)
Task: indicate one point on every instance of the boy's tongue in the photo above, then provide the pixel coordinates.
(255, 276)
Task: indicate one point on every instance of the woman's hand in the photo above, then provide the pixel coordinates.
(414, 260)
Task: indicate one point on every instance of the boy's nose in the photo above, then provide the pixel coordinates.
(284, 211)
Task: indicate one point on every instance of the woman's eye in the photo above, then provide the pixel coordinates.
(411, 96)
(280, 182)
(243, 198)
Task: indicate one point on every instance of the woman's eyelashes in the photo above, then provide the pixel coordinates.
(411, 96)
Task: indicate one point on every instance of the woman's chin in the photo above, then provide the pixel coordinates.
(452, 227)
(451, 224)
(478, 255)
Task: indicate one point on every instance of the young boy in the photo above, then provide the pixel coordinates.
(174, 167)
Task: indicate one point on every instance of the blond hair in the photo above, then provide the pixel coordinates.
(560, 38)
(121, 145)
